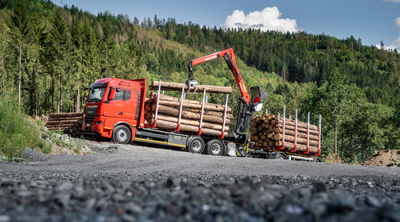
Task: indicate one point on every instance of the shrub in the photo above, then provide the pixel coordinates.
(17, 130)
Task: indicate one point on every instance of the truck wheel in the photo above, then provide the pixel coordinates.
(196, 144)
(280, 156)
(215, 147)
(121, 134)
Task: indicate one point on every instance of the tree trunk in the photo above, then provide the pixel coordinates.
(78, 101)
(20, 75)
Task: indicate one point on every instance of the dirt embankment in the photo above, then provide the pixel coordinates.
(388, 158)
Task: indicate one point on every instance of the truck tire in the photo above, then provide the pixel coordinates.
(280, 156)
(121, 134)
(196, 144)
(215, 148)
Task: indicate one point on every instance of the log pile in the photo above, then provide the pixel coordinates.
(173, 86)
(70, 123)
(267, 132)
(168, 115)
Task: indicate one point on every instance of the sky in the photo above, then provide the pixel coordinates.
(371, 20)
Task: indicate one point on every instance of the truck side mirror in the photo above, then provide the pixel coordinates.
(111, 96)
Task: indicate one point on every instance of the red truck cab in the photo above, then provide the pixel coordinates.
(115, 103)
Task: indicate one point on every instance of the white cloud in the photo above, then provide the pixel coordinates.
(396, 44)
(397, 21)
(268, 19)
(392, 47)
(392, 0)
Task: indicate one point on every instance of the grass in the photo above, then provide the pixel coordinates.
(17, 130)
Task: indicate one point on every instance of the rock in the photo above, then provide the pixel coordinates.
(373, 202)
(65, 138)
(318, 187)
(89, 204)
(5, 218)
(293, 209)
(341, 200)
(32, 155)
(132, 207)
(169, 183)
(66, 186)
(62, 199)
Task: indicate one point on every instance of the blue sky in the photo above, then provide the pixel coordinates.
(371, 20)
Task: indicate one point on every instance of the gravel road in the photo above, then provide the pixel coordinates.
(137, 183)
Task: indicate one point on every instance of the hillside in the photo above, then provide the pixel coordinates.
(48, 54)
(300, 57)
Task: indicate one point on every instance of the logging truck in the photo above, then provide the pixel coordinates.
(119, 109)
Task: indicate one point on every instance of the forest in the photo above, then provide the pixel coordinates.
(49, 54)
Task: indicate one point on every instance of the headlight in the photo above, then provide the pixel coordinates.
(258, 107)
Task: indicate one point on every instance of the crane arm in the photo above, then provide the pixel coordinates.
(230, 59)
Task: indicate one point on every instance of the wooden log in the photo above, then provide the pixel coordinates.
(58, 115)
(191, 122)
(299, 124)
(189, 115)
(301, 135)
(162, 124)
(173, 86)
(172, 98)
(58, 122)
(65, 118)
(289, 138)
(213, 113)
(299, 147)
(62, 125)
(207, 106)
(291, 128)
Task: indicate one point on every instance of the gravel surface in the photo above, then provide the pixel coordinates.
(134, 183)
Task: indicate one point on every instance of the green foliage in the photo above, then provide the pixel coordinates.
(301, 57)
(17, 130)
(353, 127)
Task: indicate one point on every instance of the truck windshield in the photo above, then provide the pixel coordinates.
(96, 94)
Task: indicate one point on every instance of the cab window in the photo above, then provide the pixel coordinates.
(127, 95)
(121, 94)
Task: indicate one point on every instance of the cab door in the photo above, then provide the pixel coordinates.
(114, 109)
(131, 106)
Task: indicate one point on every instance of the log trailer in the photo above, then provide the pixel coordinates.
(115, 109)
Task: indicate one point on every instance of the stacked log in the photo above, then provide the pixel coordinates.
(70, 123)
(173, 86)
(267, 132)
(169, 112)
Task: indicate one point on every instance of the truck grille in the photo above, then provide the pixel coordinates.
(90, 114)
(89, 119)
